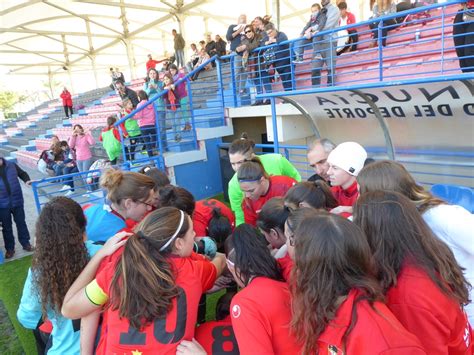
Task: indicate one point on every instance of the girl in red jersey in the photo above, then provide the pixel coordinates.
(151, 294)
(271, 222)
(261, 312)
(424, 285)
(258, 187)
(336, 299)
(316, 194)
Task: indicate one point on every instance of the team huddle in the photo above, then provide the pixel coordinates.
(359, 259)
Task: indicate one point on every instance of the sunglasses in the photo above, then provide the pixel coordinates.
(145, 203)
(249, 31)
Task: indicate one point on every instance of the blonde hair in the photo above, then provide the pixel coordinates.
(121, 185)
(392, 176)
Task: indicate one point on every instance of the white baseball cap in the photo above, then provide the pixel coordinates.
(349, 156)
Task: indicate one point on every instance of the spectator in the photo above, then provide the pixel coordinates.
(318, 152)
(82, 143)
(194, 57)
(60, 256)
(131, 129)
(152, 87)
(67, 102)
(220, 46)
(69, 166)
(210, 45)
(126, 93)
(11, 203)
(119, 75)
(183, 96)
(147, 123)
(151, 63)
(347, 39)
(172, 105)
(203, 57)
(307, 32)
(325, 51)
(179, 44)
(235, 34)
(382, 8)
(280, 58)
(259, 24)
(250, 62)
(111, 141)
(463, 36)
(115, 75)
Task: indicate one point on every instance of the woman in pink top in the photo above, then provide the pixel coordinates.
(147, 123)
(82, 142)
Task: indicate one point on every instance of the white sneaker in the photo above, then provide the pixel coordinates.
(86, 195)
(65, 187)
(69, 193)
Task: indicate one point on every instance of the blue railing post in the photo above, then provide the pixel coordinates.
(158, 115)
(191, 112)
(380, 46)
(276, 144)
(442, 38)
(220, 83)
(122, 139)
(331, 60)
(34, 186)
(233, 80)
(292, 66)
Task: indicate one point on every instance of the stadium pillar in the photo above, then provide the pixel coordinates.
(66, 62)
(127, 41)
(91, 52)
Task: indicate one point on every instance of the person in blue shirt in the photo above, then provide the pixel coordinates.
(61, 254)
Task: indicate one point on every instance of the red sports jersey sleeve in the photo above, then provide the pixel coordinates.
(217, 337)
(250, 215)
(207, 271)
(286, 265)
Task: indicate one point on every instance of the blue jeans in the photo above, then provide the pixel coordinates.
(7, 226)
(179, 54)
(148, 138)
(302, 44)
(83, 166)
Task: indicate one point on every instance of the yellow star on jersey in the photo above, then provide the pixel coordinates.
(136, 352)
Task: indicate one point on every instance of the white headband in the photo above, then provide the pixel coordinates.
(175, 233)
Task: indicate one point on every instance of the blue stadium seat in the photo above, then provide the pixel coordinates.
(456, 195)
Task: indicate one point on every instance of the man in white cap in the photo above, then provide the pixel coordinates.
(345, 163)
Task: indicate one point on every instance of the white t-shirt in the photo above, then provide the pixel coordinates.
(454, 225)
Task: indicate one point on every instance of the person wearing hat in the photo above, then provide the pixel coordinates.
(345, 163)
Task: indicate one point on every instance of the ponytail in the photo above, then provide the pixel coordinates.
(121, 185)
(143, 284)
(219, 227)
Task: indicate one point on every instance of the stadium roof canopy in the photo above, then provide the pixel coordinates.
(85, 37)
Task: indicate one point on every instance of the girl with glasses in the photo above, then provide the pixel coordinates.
(261, 311)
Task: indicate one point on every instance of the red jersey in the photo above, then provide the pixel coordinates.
(193, 276)
(424, 310)
(345, 197)
(279, 185)
(286, 265)
(261, 316)
(203, 214)
(217, 337)
(376, 331)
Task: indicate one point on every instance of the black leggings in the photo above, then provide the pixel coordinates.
(66, 109)
(387, 25)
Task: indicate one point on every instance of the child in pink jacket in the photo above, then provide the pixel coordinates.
(82, 142)
(147, 122)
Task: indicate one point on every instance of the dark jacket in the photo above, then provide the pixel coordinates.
(179, 42)
(220, 47)
(211, 48)
(282, 52)
(130, 94)
(234, 41)
(10, 189)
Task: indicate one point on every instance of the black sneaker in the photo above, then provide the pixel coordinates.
(9, 254)
(28, 247)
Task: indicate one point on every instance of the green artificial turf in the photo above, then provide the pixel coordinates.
(14, 339)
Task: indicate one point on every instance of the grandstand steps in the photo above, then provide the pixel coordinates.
(6, 149)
